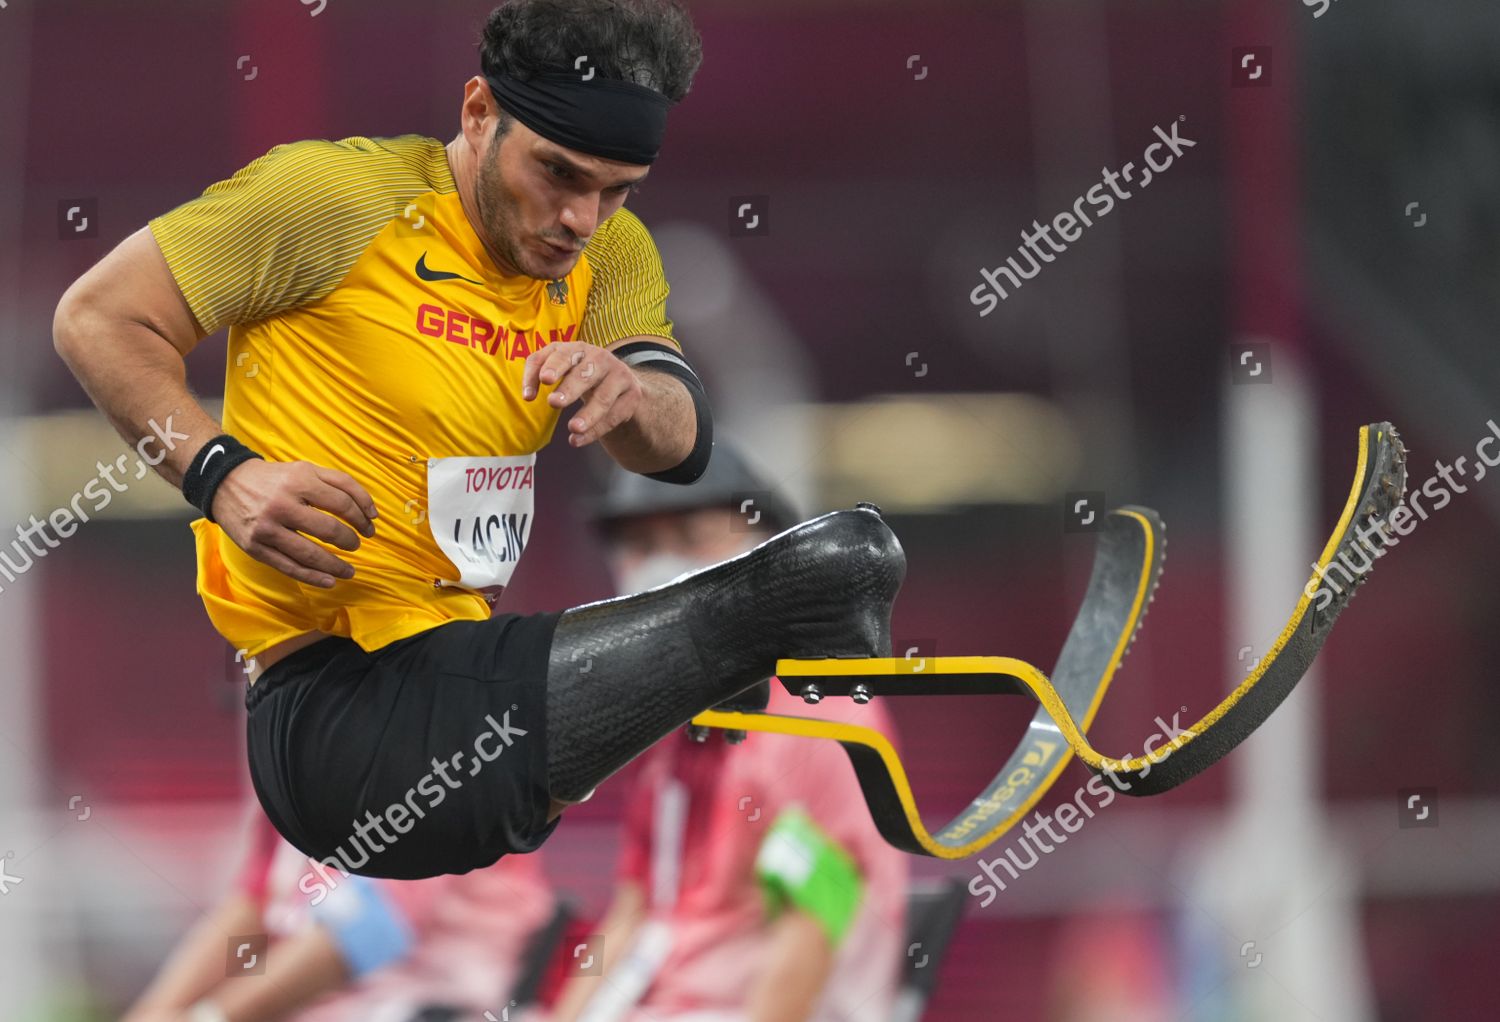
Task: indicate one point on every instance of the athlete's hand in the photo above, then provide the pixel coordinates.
(612, 389)
(266, 507)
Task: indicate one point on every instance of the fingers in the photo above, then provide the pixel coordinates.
(284, 564)
(310, 520)
(324, 504)
(611, 403)
(573, 366)
(274, 541)
(309, 555)
(342, 508)
(349, 500)
(581, 372)
(546, 366)
(276, 512)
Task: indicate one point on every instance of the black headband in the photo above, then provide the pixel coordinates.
(603, 117)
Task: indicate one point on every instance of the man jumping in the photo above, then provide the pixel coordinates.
(407, 321)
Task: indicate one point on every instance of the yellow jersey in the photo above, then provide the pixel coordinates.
(370, 332)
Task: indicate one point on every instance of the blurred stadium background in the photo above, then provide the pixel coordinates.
(1341, 208)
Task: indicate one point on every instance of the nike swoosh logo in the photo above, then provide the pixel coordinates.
(215, 449)
(428, 274)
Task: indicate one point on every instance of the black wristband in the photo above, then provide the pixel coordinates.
(213, 462)
(663, 358)
(690, 468)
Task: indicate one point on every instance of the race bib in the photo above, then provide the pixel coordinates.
(480, 512)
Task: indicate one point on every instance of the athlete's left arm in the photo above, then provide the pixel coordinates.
(642, 401)
(670, 417)
(647, 418)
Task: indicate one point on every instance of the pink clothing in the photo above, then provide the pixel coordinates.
(467, 933)
(693, 830)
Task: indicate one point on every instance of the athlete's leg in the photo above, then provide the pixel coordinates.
(443, 751)
(626, 672)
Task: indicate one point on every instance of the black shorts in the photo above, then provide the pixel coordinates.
(427, 756)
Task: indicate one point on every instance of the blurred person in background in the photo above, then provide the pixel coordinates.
(752, 883)
(345, 947)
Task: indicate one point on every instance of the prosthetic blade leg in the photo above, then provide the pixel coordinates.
(1126, 567)
(624, 673)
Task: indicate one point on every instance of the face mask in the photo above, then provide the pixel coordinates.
(658, 569)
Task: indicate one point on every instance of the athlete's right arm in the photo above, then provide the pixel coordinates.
(124, 329)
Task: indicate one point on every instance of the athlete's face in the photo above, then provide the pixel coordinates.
(539, 203)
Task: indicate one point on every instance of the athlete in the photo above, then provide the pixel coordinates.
(407, 320)
(752, 884)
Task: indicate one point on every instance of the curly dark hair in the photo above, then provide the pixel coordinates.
(649, 42)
